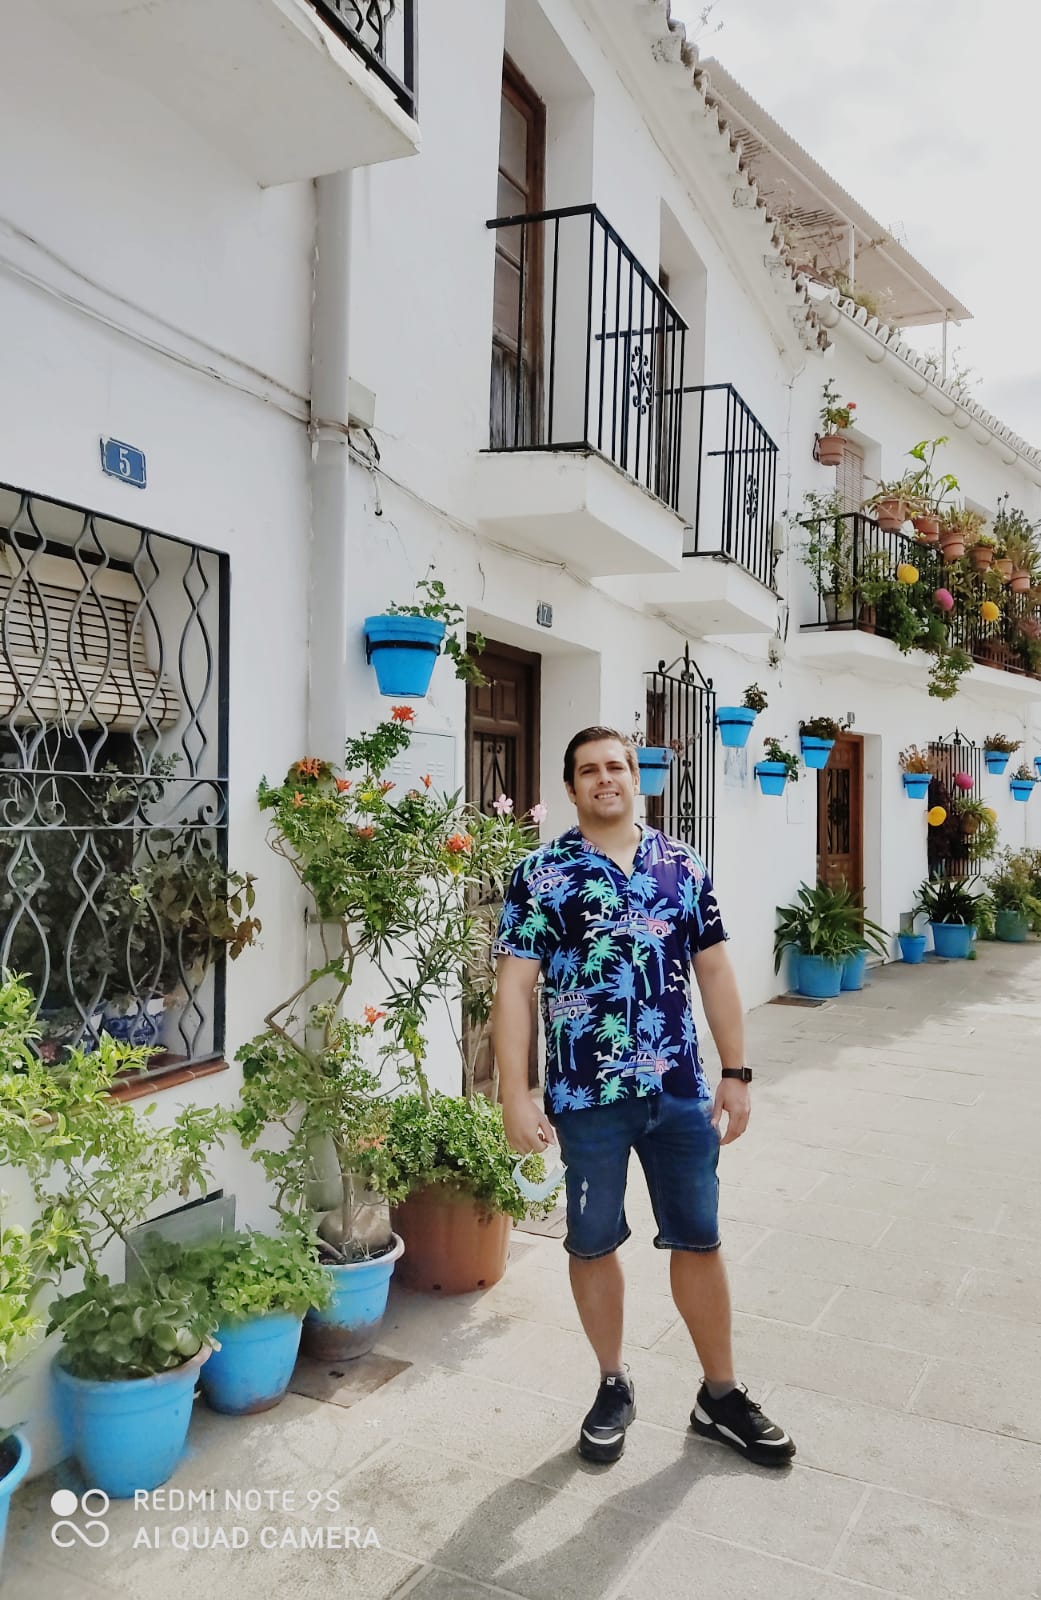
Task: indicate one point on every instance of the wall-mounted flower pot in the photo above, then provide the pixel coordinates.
(1003, 565)
(912, 947)
(772, 775)
(830, 449)
(891, 515)
(1011, 927)
(402, 651)
(952, 549)
(982, 556)
(853, 969)
(818, 977)
(15, 1459)
(916, 785)
(996, 761)
(251, 1370)
(349, 1326)
(1037, 765)
(815, 752)
(1019, 582)
(1022, 788)
(654, 761)
(927, 527)
(952, 940)
(734, 724)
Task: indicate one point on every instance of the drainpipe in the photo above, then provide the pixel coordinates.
(330, 369)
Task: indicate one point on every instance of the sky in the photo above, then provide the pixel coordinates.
(927, 112)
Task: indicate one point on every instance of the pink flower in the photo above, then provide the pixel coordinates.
(539, 813)
(503, 806)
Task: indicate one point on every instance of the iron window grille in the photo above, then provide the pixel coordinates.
(735, 503)
(391, 53)
(948, 852)
(681, 715)
(113, 776)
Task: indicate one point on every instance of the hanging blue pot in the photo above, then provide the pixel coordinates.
(734, 724)
(1037, 765)
(350, 1324)
(402, 651)
(818, 977)
(654, 761)
(853, 970)
(815, 752)
(127, 1433)
(916, 784)
(912, 947)
(12, 1478)
(996, 761)
(251, 1370)
(952, 940)
(1022, 788)
(772, 775)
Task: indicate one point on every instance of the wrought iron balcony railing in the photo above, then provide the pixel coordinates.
(736, 497)
(368, 27)
(587, 348)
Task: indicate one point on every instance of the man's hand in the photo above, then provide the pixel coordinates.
(734, 1098)
(527, 1128)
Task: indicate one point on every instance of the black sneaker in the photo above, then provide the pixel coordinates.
(603, 1429)
(737, 1421)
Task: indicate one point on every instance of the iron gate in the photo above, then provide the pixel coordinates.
(681, 714)
(948, 851)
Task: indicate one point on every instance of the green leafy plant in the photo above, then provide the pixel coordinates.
(931, 488)
(436, 605)
(948, 668)
(963, 520)
(978, 824)
(132, 1330)
(775, 751)
(944, 899)
(902, 490)
(834, 416)
(1015, 885)
(249, 1274)
(827, 550)
(827, 920)
(821, 728)
(1000, 742)
(754, 698)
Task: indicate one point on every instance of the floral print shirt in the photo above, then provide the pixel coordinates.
(616, 957)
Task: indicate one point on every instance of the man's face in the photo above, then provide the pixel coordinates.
(604, 789)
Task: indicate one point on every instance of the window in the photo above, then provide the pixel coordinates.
(517, 302)
(113, 778)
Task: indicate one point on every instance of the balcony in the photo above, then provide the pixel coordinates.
(858, 620)
(586, 403)
(288, 89)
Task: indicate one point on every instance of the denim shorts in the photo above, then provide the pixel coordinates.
(678, 1149)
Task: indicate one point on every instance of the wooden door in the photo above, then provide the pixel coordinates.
(516, 388)
(840, 814)
(502, 757)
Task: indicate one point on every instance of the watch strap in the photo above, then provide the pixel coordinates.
(743, 1074)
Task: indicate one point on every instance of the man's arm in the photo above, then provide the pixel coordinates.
(527, 1128)
(725, 1016)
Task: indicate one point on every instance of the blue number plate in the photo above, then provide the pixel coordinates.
(121, 460)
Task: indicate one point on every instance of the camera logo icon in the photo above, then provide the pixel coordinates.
(92, 1504)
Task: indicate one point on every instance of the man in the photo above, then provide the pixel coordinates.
(613, 916)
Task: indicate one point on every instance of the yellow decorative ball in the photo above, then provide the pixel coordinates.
(990, 814)
(989, 611)
(905, 573)
(936, 816)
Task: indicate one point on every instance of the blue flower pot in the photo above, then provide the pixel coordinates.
(952, 940)
(141, 1025)
(251, 1370)
(349, 1326)
(815, 752)
(1011, 927)
(402, 651)
(818, 977)
(734, 724)
(853, 970)
(127, 1433)
(996, 761)
(1037, 765)
(654, 761)
(912, 947)
(916, 785)
(10, 1482)
(773, 776)
(1022, 788)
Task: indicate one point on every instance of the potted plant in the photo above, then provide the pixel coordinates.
(735, 722)
(912, 945)
(996, 751)
(1013, 889)
(1017, 536)
(19, 1324)
(828, 551)
(978, 826)
(1022, 782)
(981, 549)
(654, 761)
(930, 488)
(403, 642)
(960, 528)
(953, 910)
(917, 769)
(817, 737)
(893, 502)
(776, 767)
(835, 419)
(826, 926)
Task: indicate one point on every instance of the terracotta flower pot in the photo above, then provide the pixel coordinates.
(1004, 566)
(830, 449)
(452, 1246)
(952, 549)
(866, 621)
(1019, 582)
(928, 526)
(891, 515)
(982, 556)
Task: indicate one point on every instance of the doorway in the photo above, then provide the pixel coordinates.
(516, 388)
(840, 815)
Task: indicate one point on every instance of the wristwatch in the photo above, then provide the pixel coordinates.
(743, 1074)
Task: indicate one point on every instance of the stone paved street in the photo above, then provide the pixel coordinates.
(883, 1228)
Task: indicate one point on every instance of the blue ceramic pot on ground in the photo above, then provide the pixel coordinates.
(916, 785)
(818, 977)
(996, 761)
(952, 940)
(772, 775)
(654, 762)
(127, 1433)
(17, 1444)
(912, 947)
(734, 724)
(350, 1324)
(853, 970)
(815, 752)
(1022, 788)
(251, 1370)
(402, 651)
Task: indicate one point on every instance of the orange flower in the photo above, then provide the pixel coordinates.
(298, 798)
(365, 833)
(458, 843)
(310, 767)
(427, 780)
(386, 786)
(342, 785)
(372, 1016)
(402, 714)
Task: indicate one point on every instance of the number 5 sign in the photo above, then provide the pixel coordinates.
(121, 460)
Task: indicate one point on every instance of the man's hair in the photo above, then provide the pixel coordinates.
(591, 736)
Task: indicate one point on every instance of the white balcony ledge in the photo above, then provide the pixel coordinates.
(267, 81)
(713, 595)
(575, 507)
(870, 656)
